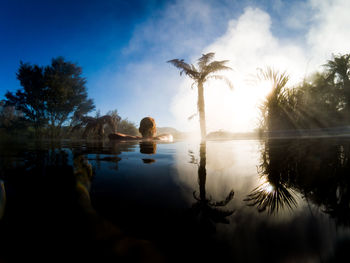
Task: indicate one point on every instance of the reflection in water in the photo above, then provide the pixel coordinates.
(148, 161)
(271, 196)
(112, 150)
(47, 192)
(205, 209)
(318, 170)
(274, 193)
(50, 200)
(148, 147)
(2, 198)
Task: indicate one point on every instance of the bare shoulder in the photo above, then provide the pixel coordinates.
(122, 136)
(164, 137)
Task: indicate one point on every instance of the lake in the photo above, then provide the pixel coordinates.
(285, 200)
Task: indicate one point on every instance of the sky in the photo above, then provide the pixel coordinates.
(123, 48)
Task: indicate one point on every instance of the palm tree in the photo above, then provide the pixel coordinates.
(338, 75)
(205, 70)
(274, 110)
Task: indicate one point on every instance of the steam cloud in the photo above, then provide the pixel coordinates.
(249, 44)
(296, 37)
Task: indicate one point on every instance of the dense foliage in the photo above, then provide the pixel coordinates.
(315, 169)
(51, 95)
(321, 101)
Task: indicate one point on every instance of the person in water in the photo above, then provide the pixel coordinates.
(147, 129)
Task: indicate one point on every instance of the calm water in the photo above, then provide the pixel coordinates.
(241, 200)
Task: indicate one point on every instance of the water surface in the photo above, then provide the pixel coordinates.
(240, 200)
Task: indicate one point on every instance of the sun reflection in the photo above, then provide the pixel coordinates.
(271, 197)
(267, 187)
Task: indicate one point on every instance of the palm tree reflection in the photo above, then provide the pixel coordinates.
(275, 192)
(205, 209)
(315, 169)
(271, 196)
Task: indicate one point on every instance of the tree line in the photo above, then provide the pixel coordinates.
(53, 99)
(321, 102)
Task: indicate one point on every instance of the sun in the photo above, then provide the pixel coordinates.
(236, 110)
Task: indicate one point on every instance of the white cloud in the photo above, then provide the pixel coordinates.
(330, 29)
(250, 44)
(180, 28)
(187, 29)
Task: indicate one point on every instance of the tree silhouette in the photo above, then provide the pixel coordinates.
(97, 125)
(320, 102)
(273, 109)
(51, 95)
(11, 120)
(31, 100)
(314, 169)
(205, 70)
(338, 75)
(205, 208)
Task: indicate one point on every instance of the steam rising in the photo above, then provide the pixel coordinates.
(294, 36)
(249, 44)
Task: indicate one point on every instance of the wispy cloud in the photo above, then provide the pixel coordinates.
(250, 44)
(299, 41)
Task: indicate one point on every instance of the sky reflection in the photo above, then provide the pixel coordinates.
(192, 196)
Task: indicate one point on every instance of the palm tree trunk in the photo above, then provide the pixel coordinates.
(201, 110)
(202, 172)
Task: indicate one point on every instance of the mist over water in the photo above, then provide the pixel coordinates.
(244, 157)
(186, 195)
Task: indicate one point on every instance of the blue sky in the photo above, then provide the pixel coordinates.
(123, 47)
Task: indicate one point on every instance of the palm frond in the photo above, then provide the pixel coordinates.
(189, 70)
(205, 59)
(193, 84)
(220, 77)
(192, 116)
(339, 65)
(226, 201)
(272, 201)
(279, 80)
(214, 67)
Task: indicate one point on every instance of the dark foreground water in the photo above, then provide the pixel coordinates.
(233, 201)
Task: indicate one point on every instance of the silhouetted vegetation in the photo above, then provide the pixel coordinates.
(11, 120)
(100, 126)
(51, 95)
(53, 102)
(320, 102)
(50, 200)
(316, 169)
(208, 211)
(96, 126)
(127, 127)
(205, 70)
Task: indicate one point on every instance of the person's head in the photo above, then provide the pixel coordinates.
(148, 127)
